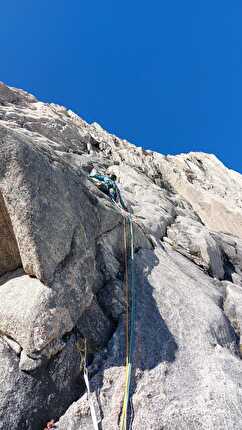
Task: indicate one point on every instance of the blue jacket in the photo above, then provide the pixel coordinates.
(111, 187)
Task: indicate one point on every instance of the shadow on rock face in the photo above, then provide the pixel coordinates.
(9, 253)
(153, 342)
(153, 348)
(50, 390)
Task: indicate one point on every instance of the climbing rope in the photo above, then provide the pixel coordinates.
(130, 297)
(129, 321)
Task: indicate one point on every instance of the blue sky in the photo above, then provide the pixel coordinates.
(165, 75)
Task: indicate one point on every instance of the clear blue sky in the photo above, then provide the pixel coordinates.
(166, 75)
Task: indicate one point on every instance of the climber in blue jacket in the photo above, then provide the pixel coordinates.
(107, 184)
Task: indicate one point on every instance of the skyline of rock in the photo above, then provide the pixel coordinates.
(62, 272)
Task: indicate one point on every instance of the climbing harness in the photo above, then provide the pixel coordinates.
(129, 321)
(86, 379)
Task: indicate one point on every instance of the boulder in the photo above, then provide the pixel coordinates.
(30, 314)
(193, 239)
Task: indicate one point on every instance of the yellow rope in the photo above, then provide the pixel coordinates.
(129, 341)
(123, 423)
(126, 291)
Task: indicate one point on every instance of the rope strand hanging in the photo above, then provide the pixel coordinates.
(129, 321)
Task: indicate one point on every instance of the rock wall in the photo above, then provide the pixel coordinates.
(9, 253)
(62, 270)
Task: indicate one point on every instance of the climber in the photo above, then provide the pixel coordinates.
(107, 184)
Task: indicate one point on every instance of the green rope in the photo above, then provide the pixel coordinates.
(132, 317)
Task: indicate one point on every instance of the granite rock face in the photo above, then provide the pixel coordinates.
(62, 273)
